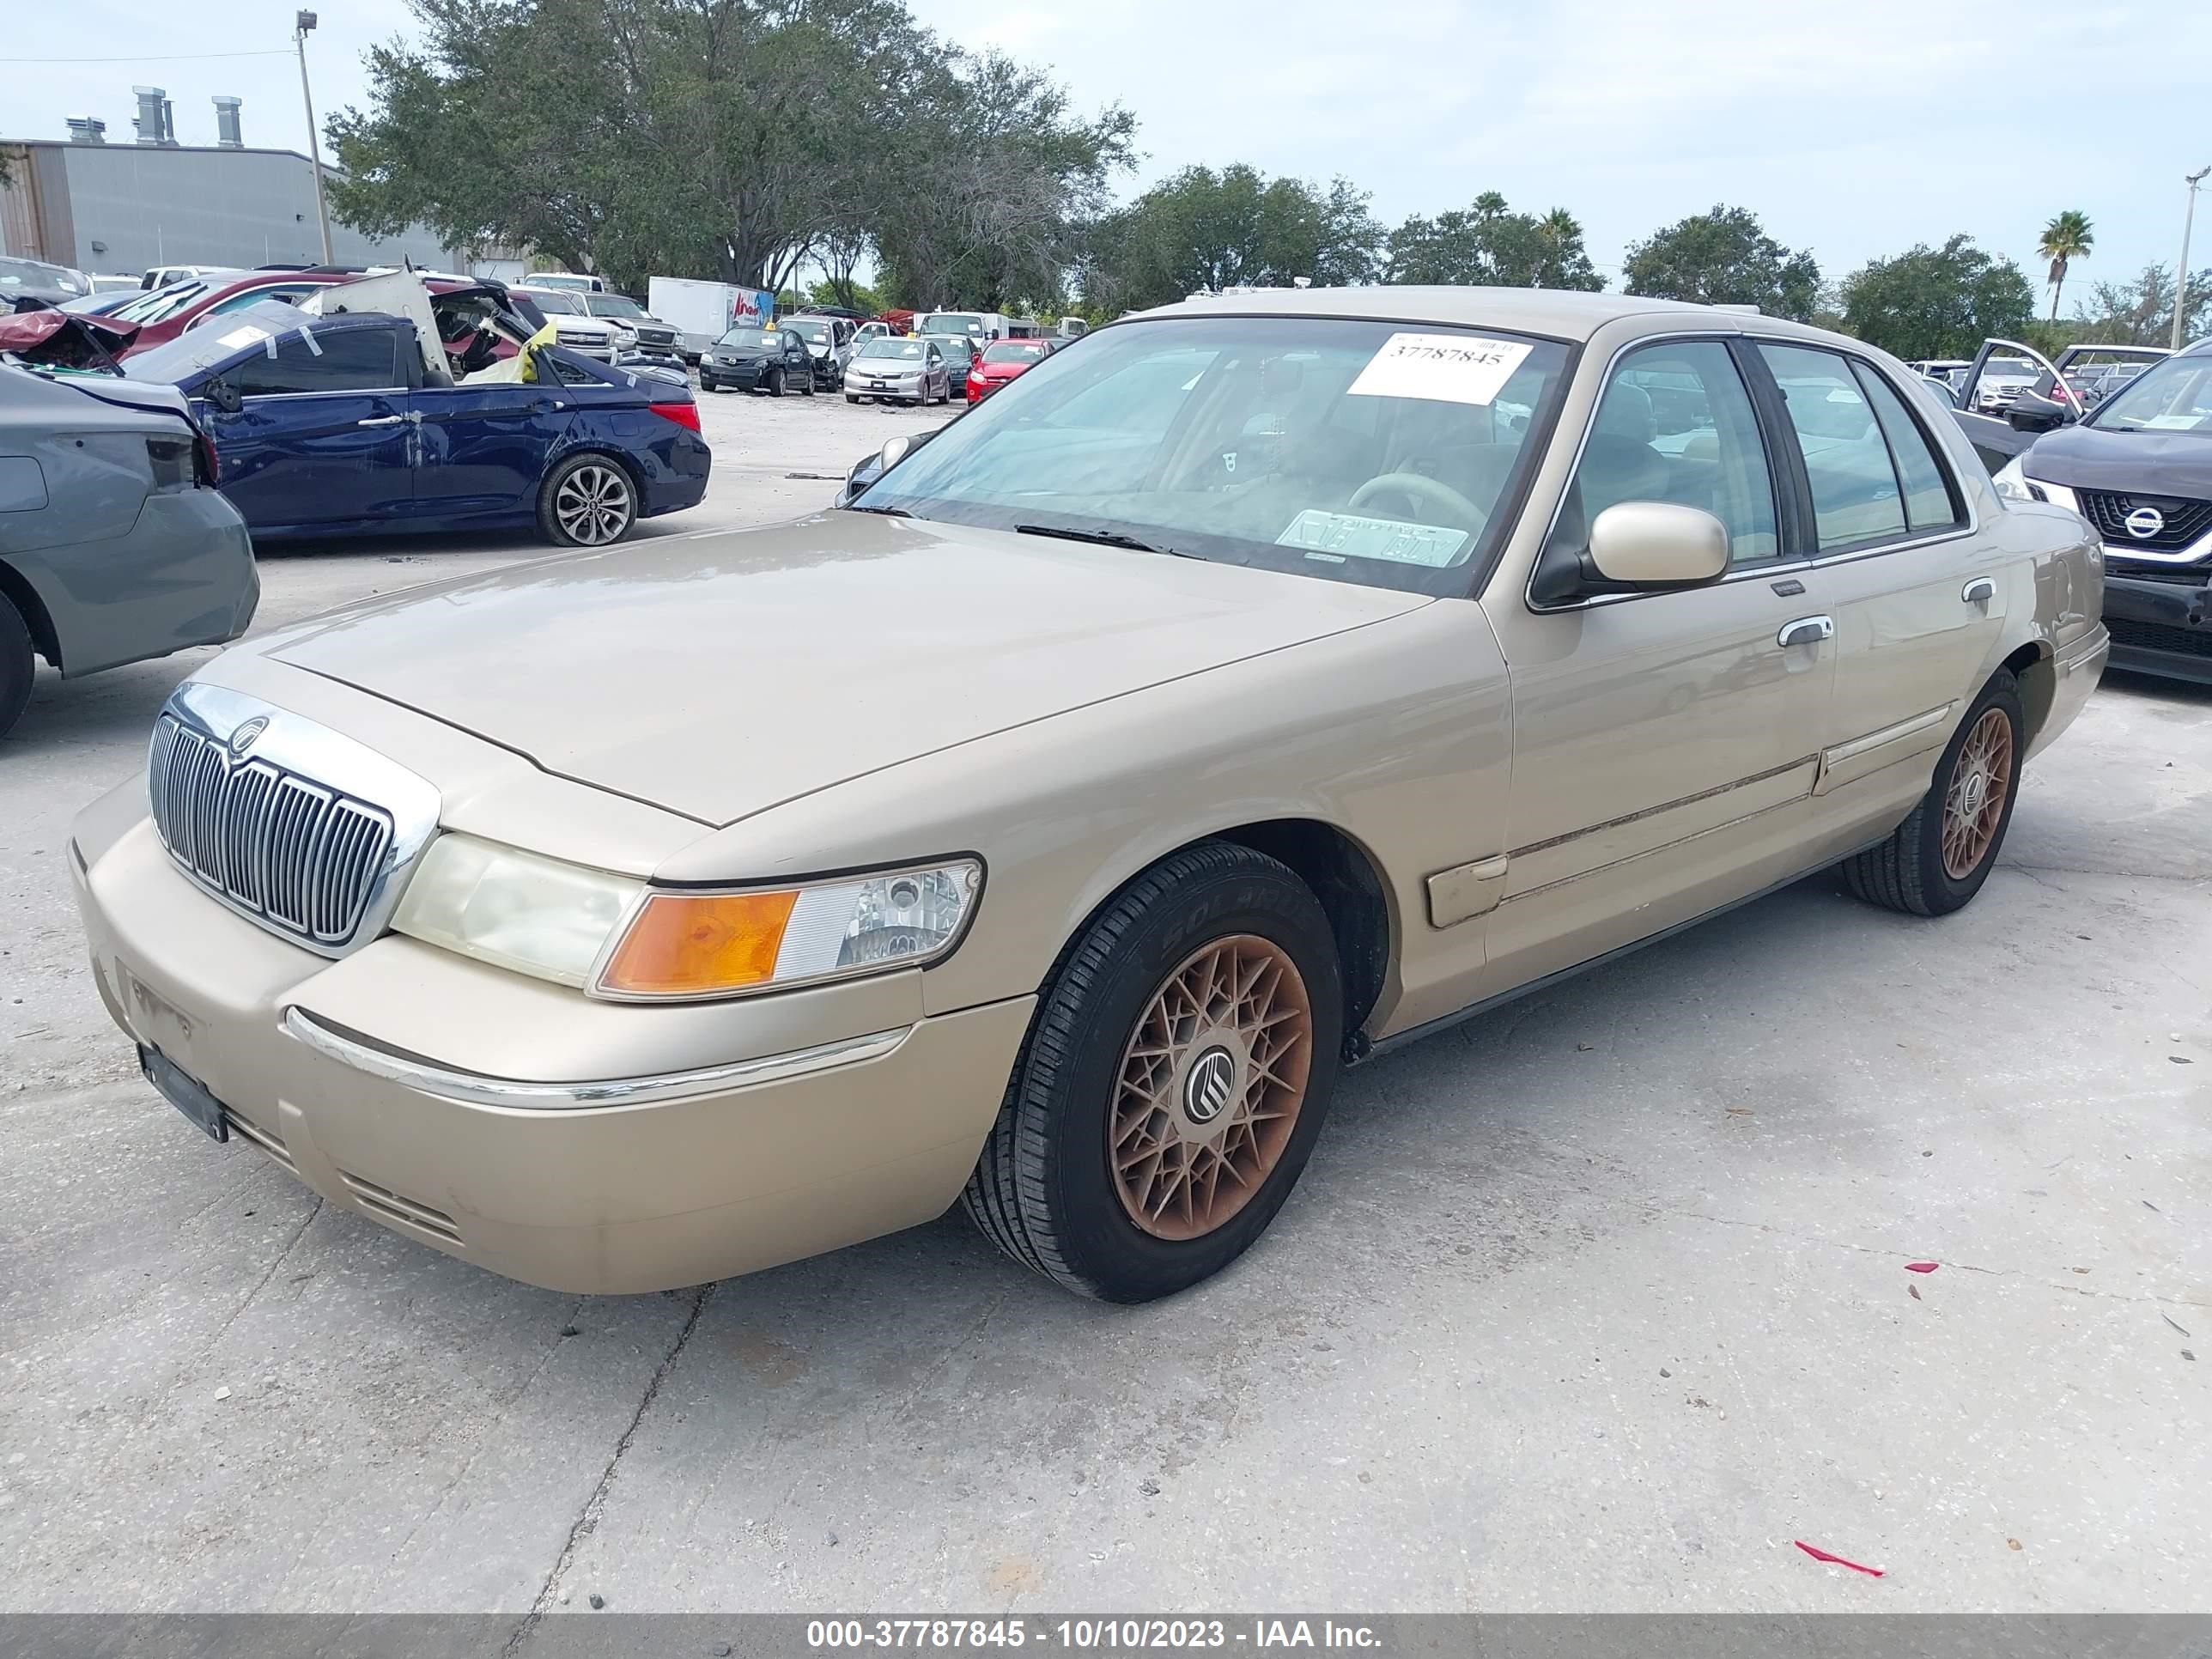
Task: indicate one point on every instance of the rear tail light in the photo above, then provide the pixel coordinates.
(174, 462)
(208, 471)
(683, 414)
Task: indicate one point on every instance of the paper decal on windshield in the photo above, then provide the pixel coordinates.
(1449, 368)
(2172, 423)
(1333, 536)
(245, 336)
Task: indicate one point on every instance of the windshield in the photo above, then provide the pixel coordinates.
(1360, 451)
(175, 362)
(891, 348)
(812, 332)
(558, 279)
(613, 305)
(753, 337)
(2174, 395)
(1015, 351)
(34, 276)
(950, 322)
(551, 300)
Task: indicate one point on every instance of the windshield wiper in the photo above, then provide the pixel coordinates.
(888, 511)
(1098, 537)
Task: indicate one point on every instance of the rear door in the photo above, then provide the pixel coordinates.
(484, 448)
(1917, 597)
(1665, 744)
(321, 436)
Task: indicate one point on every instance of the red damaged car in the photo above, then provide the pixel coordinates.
(1001, 361)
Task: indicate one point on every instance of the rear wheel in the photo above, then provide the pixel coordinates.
(1175, 1078)
(1938, 858)
(16, 668)
(588, 501)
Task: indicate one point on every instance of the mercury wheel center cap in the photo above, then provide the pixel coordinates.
(1209, 1085)
(1970, 798)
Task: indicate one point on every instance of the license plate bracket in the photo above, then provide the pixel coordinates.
(184, 1092)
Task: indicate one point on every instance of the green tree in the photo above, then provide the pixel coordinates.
(1937, 302)
(2140, 313)
(1206, 230)
(2067, 238)
(1723, 257)
(1486, 244)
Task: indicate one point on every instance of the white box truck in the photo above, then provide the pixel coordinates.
(701, 312)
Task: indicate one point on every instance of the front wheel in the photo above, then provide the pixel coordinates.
(16, 668)
(1174, 1081)
(1938, 858)
(775, 383)
(588, 501)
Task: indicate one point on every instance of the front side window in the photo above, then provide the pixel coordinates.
(1855, 493)
(1371, 453)
(350, 360)
(1928, 503)
(1675, 423)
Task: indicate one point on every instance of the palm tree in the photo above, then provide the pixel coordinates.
(2065, 239)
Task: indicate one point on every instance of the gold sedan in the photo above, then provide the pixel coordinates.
(1250, 686)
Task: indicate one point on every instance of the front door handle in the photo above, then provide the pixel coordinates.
(1980, 591)
(1807, 630)
(384, 420)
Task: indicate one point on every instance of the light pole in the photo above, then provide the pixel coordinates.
(2181, 275)
(303, 22)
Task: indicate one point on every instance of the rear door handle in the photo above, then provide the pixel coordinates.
(1980, 591)
(384, 420)
(1807, 630)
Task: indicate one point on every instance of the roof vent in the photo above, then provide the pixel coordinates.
(226, 123)
(87, 130)
(156, 121)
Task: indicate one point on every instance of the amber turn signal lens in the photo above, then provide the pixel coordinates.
(683, 944)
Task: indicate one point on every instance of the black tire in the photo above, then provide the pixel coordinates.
(1044, 1190)
(807, 387)
(16, 668)
(565, 515)
(775, 383)
(854, 400)
(1908, 871)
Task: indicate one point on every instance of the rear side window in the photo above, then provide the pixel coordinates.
(353, 359)
(1928, 503)
(1856, 497)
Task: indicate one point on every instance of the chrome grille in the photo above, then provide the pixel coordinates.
(301, 857)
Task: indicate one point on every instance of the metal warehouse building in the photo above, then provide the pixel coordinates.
(122, 208)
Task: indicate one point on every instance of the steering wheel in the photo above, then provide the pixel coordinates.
(1424, 490)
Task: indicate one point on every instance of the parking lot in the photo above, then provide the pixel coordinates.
(1596, 1304)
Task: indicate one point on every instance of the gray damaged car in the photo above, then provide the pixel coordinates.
(114, 543)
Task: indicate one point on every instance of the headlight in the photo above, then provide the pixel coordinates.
(705, 945)
(562, 922)
(514, 909)
(2011, 482)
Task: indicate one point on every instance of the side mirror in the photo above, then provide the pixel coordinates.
(869, 468)
(1647, 544)
(2030, 412)
(222, 395)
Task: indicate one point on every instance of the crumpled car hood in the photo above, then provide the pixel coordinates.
(718, 676)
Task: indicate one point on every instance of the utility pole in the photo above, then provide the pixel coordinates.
(302, 24)
(2181, 275)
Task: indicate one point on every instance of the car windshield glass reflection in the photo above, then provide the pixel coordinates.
(1362, 452)
(897, 349)
(2175, 396)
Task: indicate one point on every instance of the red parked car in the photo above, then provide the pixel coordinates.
(1002, 359)
(167, 312)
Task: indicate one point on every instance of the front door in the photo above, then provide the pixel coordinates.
(484, 447)
(1919, 604)
(321, 436)
(1665, 744)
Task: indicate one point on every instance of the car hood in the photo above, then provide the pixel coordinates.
(718, 676)
(2150, 463)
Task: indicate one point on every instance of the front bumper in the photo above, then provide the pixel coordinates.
(742, 377)
(609, 1180)
(2161, 626)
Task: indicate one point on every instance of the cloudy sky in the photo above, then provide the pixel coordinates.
(1853, 129)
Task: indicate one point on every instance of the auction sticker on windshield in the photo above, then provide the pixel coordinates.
(1336, 536)
(1452, 368)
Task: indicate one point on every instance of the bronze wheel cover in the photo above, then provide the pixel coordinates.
(1973, 806)
(1210, 1087)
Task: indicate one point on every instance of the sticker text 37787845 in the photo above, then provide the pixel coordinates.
(1454, 368)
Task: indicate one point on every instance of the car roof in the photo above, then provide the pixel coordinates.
(1560, 313)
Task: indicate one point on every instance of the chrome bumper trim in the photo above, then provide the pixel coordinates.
(474, 1088)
